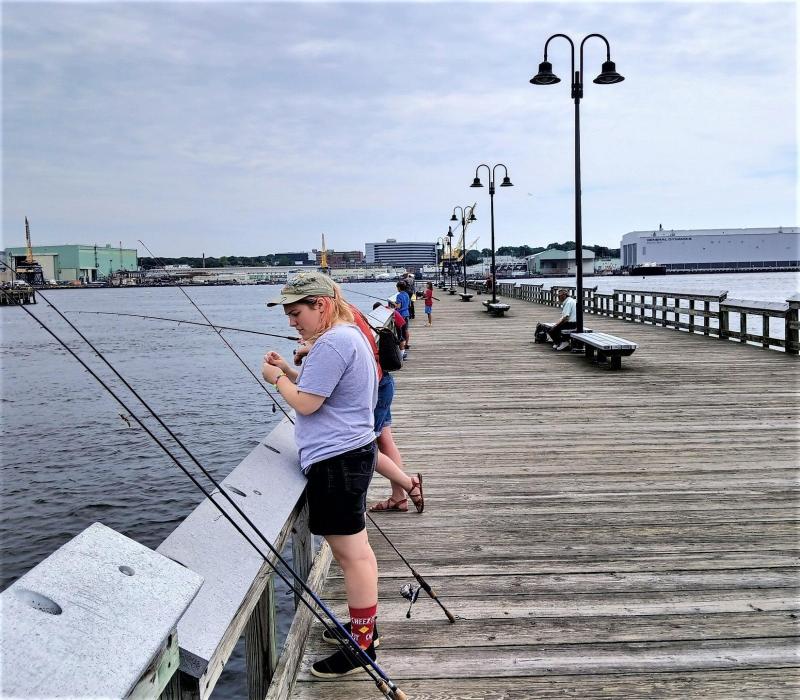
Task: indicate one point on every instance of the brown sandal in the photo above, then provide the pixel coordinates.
(419, 499)
(390, 504)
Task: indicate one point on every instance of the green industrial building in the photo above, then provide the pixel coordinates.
(81, 263)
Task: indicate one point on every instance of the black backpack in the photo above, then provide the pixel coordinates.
(389, 354)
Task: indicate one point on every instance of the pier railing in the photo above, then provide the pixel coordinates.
(768, 324)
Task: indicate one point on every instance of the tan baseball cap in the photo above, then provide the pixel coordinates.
(306, 284)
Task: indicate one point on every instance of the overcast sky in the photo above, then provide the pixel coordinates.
(250, 128)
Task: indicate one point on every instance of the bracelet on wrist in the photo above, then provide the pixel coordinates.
(275, 383)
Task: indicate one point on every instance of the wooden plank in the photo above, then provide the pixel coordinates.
(777, 684)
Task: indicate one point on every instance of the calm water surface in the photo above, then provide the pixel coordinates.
(69, 459)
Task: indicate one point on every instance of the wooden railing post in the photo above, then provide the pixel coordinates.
(302, 547)
(261, 643)
(707, 318)
(743, 326)
(691, 315)
(792, 325)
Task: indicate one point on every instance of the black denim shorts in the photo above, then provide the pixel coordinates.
(337, 492)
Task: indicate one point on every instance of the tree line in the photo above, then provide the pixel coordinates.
(473, 256)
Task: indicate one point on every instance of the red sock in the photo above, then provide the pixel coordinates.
(362, 624)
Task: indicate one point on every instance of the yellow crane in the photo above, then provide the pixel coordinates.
(458, 253)
(323, 257)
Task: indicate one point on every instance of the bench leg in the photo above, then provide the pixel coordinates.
(588, 351)
(616, 361)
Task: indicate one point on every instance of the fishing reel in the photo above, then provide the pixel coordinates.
(410, 593)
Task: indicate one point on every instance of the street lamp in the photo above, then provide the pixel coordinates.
(439, 257)
(450, 258)
(465, 220)
(505, 183)
(608, 76)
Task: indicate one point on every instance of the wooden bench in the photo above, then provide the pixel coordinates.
(451, 291)
(566, 333)
(496, 308)
(465, 297)
(603, 347)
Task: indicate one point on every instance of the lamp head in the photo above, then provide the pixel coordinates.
(453, 218)
(471, 216)
(450, 232)
(476, 182)
(545, 76)
(608, 75)
(506, 182)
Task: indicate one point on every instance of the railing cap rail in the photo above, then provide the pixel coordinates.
(684, 294)
(90, 619)
(770, 308)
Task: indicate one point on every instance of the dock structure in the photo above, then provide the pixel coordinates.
(623, 534)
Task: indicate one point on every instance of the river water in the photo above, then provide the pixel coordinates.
(69, 459)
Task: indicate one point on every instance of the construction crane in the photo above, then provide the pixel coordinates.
(323, 258)
(29, 269)
(458, 253)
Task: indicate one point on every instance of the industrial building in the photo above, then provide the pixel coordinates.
(87, 263)
(714, 250)
(340, 258)
(411, 256)
(559, 263)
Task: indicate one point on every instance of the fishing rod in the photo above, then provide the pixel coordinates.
(349, 645)
(224, 339)
(422, 582)
(364, 294)
(193, 323)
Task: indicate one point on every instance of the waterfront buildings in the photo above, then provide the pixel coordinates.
(412, 255)
(714, 250)
(340, 258)
(559, 263)
(70, 263)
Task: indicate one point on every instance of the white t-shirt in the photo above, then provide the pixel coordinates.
(568, 309)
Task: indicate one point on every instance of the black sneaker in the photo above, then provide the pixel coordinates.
(327, 635)
(340, 664)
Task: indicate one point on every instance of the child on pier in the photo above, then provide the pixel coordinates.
(429, 302)
(334, 395)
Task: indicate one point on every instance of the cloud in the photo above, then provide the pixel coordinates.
(367, 120)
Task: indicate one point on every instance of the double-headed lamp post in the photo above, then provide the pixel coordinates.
(450, 256)
(608, 75)
(439, 256)
(505, 183)
(465, 219)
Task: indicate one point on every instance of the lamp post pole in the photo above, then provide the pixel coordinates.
(465, 221)
(505, 183)
(450, 256)
(608, 75)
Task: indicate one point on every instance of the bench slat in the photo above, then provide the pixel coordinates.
(604, 341)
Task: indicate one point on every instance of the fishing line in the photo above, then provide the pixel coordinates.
(349, 645)
(363, 294)
(193, 323)
(224, 339)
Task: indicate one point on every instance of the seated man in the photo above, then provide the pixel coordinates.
(568, 320)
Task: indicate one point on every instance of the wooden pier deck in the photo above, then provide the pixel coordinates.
(598, 534)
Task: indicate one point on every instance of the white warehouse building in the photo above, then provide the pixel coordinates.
(706, 250)
(410, 255)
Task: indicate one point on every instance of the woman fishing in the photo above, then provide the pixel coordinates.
(334, 394)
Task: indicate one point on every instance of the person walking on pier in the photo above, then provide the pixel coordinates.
(403, 303)
(568, 320)
(334, 396)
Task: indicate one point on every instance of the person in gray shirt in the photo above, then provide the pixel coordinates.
(334, 396)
